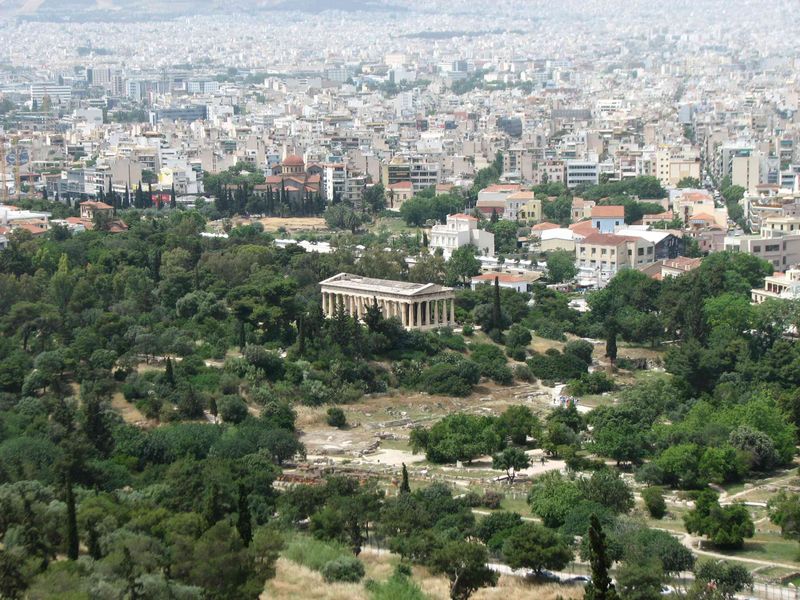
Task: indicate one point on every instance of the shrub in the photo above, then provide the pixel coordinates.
(550, 330)
(492, 499)
(518, 335)
(451, 379)
(269, 362)
(654, 501)
(524, 373)
(345, 568)
(467, 330)
(232, 409)
(398, 587)
(591, 383)
(336, 417)
(580, 348)
(313, 553)
(517, 353)
(554, 365)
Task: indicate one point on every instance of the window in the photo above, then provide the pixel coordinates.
(756, 248)
(772, 247)
(594, 250)
(603, 251)
(649, 249)
(640, 252)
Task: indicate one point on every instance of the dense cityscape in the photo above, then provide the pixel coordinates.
(393, 300)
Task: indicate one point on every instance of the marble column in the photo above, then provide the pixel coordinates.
(452, 311)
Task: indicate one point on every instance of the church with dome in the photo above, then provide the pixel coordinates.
(294, 181)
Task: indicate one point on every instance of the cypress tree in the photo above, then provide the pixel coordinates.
(611, 341)
(212, 406)
(173, 202)
(496, 313)
(600, 587)
(213, 509)
(126, 200)
(93, 540)
(157, 266)
(301, 336)
(169, 376)
(405, 488)
(96, 428)
(72, 521)
(244, 523)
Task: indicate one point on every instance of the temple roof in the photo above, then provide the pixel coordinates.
(356, 283)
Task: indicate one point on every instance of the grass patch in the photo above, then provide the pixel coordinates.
(313, 553)
(397, 587)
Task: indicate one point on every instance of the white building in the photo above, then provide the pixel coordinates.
(461, 230)
(504, 280)
(579, 171)
(781, 286)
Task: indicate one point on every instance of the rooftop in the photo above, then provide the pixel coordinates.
(357, 283)
(608, 211)
(606, 239)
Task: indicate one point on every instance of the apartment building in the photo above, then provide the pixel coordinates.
(782, 252)
(579, 172)
(605, 254)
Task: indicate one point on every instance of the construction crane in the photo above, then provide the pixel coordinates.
(4, 191)
(17, 186)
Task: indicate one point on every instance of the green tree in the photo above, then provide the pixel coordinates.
(689, 182)
(641, 579)
(405, 488)
(511, 460)
(552, 497)
(505, 236)
(12, 578)
(784, 511)
(600, 587)
(518, 422)
(465, 565)
(462, 266)
(725, 526)
(561, 266)
(654, 501)
(531, 546)
(727, 578)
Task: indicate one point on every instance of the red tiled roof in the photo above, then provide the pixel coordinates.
(606, 239)
(400, 185)
(32, 228)
(461, 216)
(293, 161)
(94, 204)
(544, 226)
(583, 227)
(608, 211)
(684, 263)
